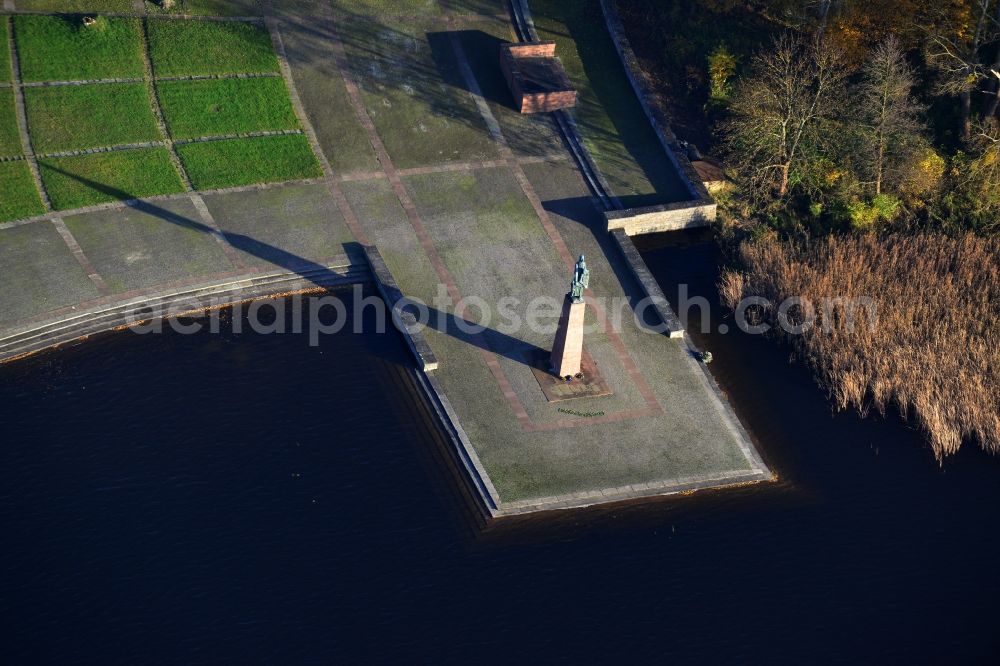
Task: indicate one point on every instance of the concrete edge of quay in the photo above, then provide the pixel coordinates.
(405, 321)
(106, 314)
(663, 217)
(426, 362)
(648, 284)
(630, 493)
(727, 412)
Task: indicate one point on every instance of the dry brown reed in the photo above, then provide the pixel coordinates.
(932, 346)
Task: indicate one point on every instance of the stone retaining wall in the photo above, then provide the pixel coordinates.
(109, 314)
(649, 285)
(401, 317)
(667, 217)
(644, 91)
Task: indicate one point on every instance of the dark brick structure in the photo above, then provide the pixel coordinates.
(536, 77)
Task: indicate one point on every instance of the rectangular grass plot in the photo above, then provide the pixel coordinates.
(63, 118)
(75, 6)
(226, 106)
(228, 163)
(199, 47)
(85, 180)
(10, 137)
(65, 48)
(19, 195)
(5, 71)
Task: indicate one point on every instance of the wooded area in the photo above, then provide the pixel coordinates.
(837, 114)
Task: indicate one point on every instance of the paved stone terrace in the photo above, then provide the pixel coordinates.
(424, 156)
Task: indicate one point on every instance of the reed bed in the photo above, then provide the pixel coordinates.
(930, 344)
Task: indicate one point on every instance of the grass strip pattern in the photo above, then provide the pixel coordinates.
(10, 136)
(194, 47)
(208, 8)
(5, 71)
(19, 194)
(232, 162)
(73, 182)
(70, 6)
(225, 106)
(91, 116)
(63, 48)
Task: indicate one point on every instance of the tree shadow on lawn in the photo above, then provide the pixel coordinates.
(611, 92)
(629, 127)
(482, 51)
(387, 62)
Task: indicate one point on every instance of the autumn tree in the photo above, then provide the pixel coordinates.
(888, 114)
(781, 112)
(984, 171)
(993, 106)
(962, 30)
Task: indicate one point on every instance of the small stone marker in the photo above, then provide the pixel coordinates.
(567, 351)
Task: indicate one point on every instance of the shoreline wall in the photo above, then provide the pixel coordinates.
(666, 217)
(426, 362)
(86, 319)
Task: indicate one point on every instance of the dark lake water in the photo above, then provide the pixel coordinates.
(250, 499)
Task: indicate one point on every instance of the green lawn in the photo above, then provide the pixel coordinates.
(69, 6)
(20, 197)
(181, 48)
(217, 164)
(10, 136)
(208, 8)
(62, 48)
(225, 106)
(90, 116)
(5, 71)
(73, 182)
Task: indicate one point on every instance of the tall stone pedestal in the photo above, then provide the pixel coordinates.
(567, 351)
